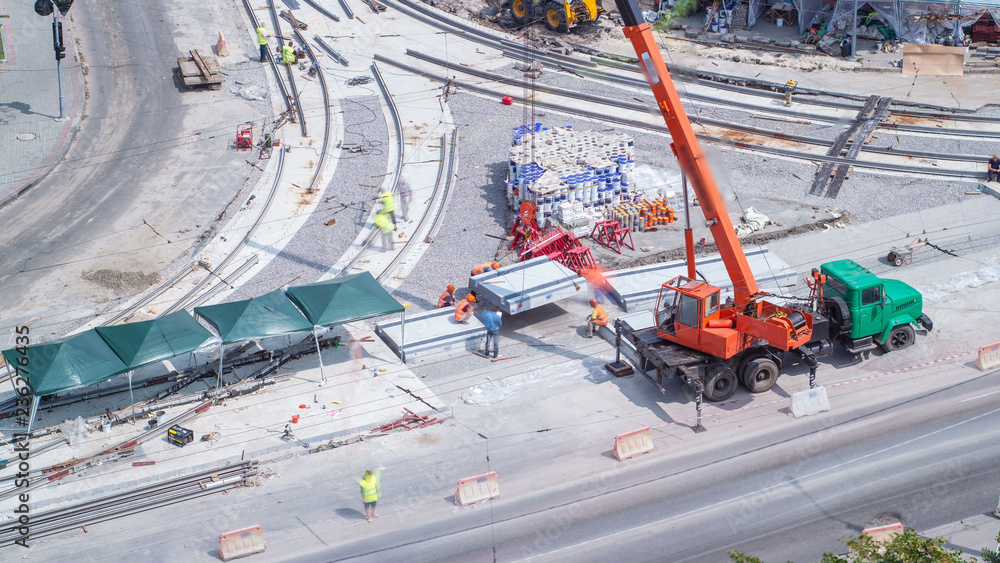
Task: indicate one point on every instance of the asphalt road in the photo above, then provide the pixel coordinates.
(782, 498)
(785, 493)
(148, 171)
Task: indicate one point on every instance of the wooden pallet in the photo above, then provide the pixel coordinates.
(199, 70)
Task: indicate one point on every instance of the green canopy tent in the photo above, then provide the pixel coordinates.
(268, 315)
(68, 363)
(342, 300)
(147, 342)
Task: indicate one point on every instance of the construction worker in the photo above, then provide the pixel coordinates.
(262, 39)
(405, 197)
(598, 317)
(288, 54)
(369, 493)
(491, 319)
(383, 224)
(485, 267)
(447, 298)
(388, 205)
(463, 312)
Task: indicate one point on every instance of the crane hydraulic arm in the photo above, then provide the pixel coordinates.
(688, 152)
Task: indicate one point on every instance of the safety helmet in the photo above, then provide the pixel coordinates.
(496, 264)
(471, 297)
(593, 302)
(451, 287)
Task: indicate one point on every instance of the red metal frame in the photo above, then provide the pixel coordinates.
(612, 235)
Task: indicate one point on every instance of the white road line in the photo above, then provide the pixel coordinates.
(743, 496)
(980, 396)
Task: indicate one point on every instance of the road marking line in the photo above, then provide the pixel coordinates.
(980, 396)
(750, 494)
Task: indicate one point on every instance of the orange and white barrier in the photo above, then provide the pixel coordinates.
(989, 357)
(477, 489)
(240, 543)
(631, 444)
(883, 534)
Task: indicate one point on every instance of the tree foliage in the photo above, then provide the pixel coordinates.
(907, 547)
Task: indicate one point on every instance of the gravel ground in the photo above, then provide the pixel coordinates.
(316, 246)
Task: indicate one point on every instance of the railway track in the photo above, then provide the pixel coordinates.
(899, 121)
(660, 128)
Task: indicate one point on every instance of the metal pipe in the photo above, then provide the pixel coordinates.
(688, 233)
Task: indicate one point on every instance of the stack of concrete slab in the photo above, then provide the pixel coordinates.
(637, 288)
(431, 333)
(526, 285)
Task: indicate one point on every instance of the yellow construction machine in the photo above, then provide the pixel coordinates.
(558, 15)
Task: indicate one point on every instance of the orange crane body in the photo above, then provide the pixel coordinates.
(688, 311)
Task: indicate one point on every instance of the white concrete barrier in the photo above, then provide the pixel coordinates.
(240, 543)
(805, 403)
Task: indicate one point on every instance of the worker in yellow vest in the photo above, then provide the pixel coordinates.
(598, 317)
(288, 54)
(388, 203)
(262, 39)
(369, 492)
(385, 226)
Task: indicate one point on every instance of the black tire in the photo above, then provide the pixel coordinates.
(555, 17)
(839, 315)
(760, 375)
(519, 10)
(898, 262)
(720, 383)
(891, 257)
(900, 337)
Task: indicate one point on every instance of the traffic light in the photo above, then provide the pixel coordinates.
(57, 41)
(43, 7)
(63, 5)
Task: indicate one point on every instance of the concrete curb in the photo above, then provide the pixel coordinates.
(445, 412)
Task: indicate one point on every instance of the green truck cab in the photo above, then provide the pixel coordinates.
(866, 311)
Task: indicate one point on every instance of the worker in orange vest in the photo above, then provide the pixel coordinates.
(463, 312)
(447, 298)
(598, 317)
(485, 267)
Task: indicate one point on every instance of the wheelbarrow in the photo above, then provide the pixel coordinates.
(900, 255)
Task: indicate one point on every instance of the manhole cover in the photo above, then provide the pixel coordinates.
(26, 136)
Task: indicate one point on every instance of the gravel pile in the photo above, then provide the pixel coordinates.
(316, 246)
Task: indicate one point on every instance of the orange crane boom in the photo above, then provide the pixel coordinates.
(688, 151)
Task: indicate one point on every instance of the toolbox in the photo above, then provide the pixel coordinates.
(179, 436)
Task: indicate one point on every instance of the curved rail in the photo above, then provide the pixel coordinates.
(563, 62)
(650, 108)
(291, 78)
(396, 121)
(662, 129)
(270, 57)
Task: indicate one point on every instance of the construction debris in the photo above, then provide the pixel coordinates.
(410, 421)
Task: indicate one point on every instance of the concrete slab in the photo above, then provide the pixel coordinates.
(526, 285)
(433, 333)
(637, 288)
(992, 188)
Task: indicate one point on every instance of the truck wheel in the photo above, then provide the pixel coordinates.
(891, 257)
(839, 315)
(555, 17)
(760, 375)
(720, 383)
(519, 10)
(899, 338)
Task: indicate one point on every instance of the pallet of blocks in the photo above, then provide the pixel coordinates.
(200, 70)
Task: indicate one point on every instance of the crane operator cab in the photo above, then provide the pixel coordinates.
(686, 305)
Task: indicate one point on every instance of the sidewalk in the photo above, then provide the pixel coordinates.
(970, 535)
(33, 141)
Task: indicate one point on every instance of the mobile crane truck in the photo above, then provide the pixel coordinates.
(711, 345)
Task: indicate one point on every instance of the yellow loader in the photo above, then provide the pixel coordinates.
(558, 15)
